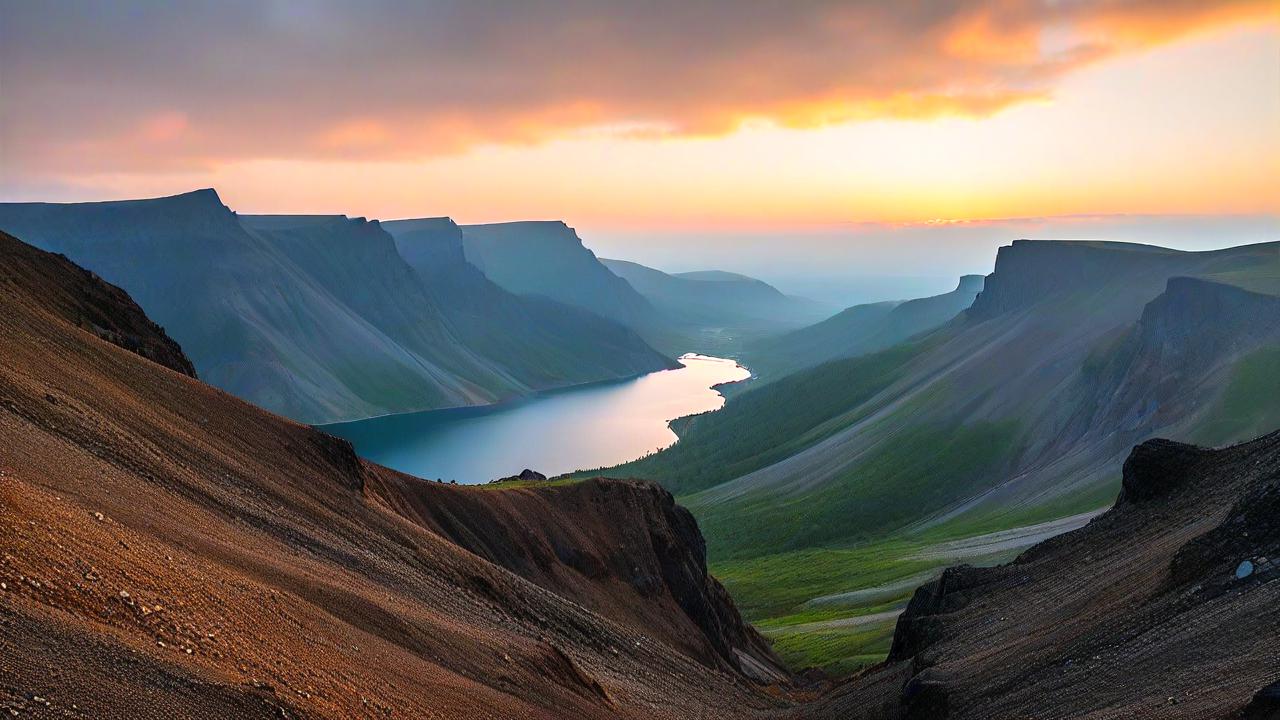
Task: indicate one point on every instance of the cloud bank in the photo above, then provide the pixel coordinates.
(151, 87)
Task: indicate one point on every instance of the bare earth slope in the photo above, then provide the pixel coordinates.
(167, 550)
(1141, 613)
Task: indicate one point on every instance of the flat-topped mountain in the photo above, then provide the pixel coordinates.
(317, 317)
(541, 342)
(548, 258)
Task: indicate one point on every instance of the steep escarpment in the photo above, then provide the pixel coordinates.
(540, 342)
(1169, 370)
(318, 317)
(578, 539)
(1104, 621)
(1029, 272)
(167, 550)
(547, 258)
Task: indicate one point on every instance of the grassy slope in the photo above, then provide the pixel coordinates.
(1249, 406)
(720, 446)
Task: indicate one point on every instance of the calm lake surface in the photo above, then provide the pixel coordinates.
(553, 433)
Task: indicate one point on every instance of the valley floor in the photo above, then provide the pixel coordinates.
(835, 608)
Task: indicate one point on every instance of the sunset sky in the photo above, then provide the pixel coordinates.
(654, 119)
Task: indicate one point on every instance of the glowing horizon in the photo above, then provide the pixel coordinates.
(998, 110)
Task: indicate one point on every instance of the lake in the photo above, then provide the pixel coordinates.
(555, 432)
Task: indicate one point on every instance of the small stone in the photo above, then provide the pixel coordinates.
(99, 517)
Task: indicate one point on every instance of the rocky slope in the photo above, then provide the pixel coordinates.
(168, 550)
(316, 318)
(565, 538)
(1162, 607)
(84, 300)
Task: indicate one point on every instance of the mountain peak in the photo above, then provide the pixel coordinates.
(971, 283)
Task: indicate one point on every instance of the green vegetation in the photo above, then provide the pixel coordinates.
(1248, 406)
(839, 650)
(767, 424)
(920, 470)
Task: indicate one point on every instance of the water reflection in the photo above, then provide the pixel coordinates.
(554, 433)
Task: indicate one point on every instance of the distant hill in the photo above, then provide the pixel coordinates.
(714, 297)
(549, 259)
(317, 318)
(858, 330)
(674, 314)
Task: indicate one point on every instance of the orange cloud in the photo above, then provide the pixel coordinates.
(215, 82)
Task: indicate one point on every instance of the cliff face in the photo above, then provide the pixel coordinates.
(167, 550)
(548, 259)
(537, 341)
(621, 548)
(1167, 370)
(1107, 619)
(1028, 272)
(318, 317)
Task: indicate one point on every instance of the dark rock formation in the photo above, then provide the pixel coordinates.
(525, 475)
(574, 539)
(1141, 612)
(1157, 467)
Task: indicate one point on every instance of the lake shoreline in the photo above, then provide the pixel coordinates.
(555, 431)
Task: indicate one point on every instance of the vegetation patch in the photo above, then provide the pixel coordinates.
(769, 423)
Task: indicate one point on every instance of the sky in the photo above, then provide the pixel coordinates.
(903, 138)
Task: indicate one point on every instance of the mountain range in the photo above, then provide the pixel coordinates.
(170, 550)
(320, 318)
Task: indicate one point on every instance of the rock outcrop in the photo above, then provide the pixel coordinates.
(1143, 612)
(626, 535)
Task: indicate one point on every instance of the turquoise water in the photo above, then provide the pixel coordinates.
(553, 433)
